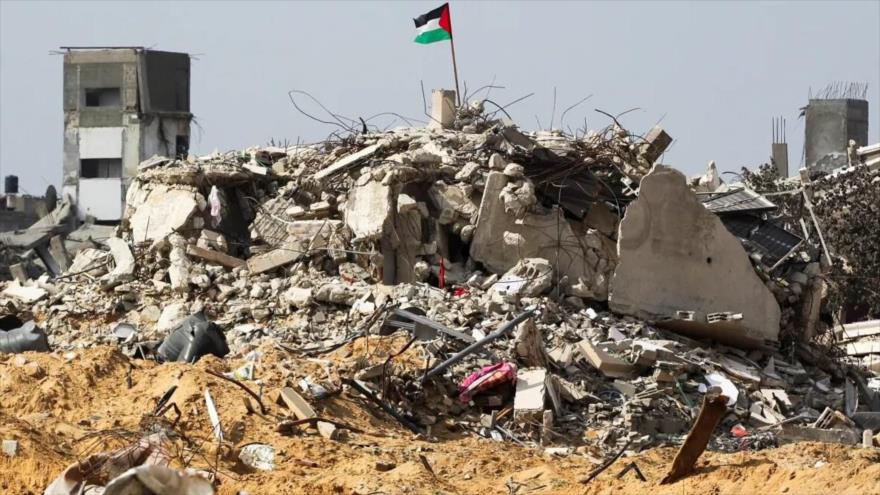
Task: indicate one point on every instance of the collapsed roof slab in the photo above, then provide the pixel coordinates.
(675, 257)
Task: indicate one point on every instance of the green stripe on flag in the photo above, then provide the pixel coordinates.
(432, 36)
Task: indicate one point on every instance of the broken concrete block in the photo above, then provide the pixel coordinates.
(123, 260)
(530, 392)
(792, 433)
(337, 293)
(272, 260)
(442, 109)
(530, 277)
(91, 259)
(179, 264)
(208, 239)
(368, 209)
(609, 364)
(298, 297)
(172, 315)
(19, 272)
(452, 201)
(673, 255)
(500, 240)
(164, 211)
(59, 252)
(215, 257)
(25, 294)
(346, 162)
(656, 142)
(529, 344)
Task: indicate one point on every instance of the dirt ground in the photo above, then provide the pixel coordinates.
(62, 407)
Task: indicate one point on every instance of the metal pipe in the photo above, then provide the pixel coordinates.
(478, 344)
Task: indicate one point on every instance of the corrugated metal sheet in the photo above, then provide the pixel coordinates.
(738, 200)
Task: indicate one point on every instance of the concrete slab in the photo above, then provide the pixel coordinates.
(271, 260)
(675, 255)
(368, 209)
(609, 364)
(530, 391)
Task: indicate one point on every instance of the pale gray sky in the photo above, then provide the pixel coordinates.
(714, 72)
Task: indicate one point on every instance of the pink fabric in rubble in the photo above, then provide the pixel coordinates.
(488, 377)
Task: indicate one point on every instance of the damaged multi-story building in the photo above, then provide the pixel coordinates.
(836, 125)
(121, 105)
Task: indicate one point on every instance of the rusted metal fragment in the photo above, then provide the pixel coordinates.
(714, 407)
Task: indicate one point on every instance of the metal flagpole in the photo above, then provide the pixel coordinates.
(455, 69)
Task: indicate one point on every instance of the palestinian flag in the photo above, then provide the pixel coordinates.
(436, 25)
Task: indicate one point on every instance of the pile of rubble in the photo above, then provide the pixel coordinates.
(566, 291)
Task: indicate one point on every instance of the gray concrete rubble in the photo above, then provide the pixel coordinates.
(582, 290)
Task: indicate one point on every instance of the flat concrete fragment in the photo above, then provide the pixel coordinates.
(858, 330)
(368, 208)
(792, 433)
(301, 409)
(164, 211)
(609, 364)
(862, 347)
(25, 294)
(269, 261)
(530, 391)
(215, 257)
(346, 162)
(674, 255)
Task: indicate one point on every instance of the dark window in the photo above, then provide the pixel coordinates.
(100, 168)
(182, 145)
(103, 97)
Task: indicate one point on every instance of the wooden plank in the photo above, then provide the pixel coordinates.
(215, 257)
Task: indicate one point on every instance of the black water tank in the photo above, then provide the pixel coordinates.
(10, 184)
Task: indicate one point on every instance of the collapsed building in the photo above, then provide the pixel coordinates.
(572, 281)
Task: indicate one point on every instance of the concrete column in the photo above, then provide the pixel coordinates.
(442, 109)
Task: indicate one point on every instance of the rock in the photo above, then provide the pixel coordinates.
(383, 466)
(10, 447)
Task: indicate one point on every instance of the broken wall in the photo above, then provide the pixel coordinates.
(674, 255)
